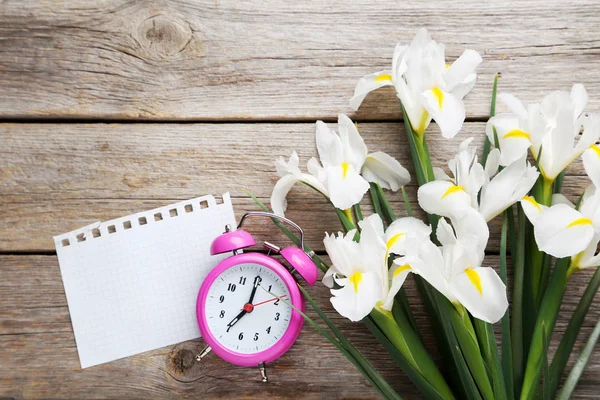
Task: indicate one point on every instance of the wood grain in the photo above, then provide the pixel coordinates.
(56, 178)
(224, 62)
(276, 60)
(39, 357)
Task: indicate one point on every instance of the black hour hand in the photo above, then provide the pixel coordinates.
(236, 319)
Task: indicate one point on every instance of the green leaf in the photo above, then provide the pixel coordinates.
(489, 350)
(407, 202)
(487, 144)
(425, 387)
(507, 358)
(401, 305)
(494, 91)
(545, 373)
(379, 381)
(386, 208)
(375, 199)
(458, 354)
(361, 364)
(420, 170)
(469, 345)
(559, 181)
(544, 326)
(517, 304)
(561, 357)
(346, 223)
(358, 212)
(404, 338)
(578, 368)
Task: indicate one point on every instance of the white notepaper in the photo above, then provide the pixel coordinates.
(131, 283)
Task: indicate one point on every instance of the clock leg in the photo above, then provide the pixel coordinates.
(263, 372)
(203, 353)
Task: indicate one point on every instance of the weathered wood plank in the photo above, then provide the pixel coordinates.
(227, 59)
(56, 178)
(35, 332)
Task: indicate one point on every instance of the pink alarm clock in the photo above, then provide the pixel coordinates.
(243, 306)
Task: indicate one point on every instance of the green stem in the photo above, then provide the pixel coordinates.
(407, 202)
(507, 357)
(517, 306)
(465, 333)
(579, 367)
(561, 357)
(358, 212)
(540, 262)
(409, 344)
(544, 325)
(488, 144)
(345, 347)
(489, 350)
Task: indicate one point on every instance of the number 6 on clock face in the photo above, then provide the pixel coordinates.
(244, 311)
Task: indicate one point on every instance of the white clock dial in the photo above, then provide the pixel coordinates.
(236, 325)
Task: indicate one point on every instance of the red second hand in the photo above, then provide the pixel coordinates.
(266, 301)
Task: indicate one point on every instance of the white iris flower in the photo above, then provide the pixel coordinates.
(344, 171)
(563, 231)
(360, 270)
(552, 127)
(427, 87)
(454, 196)
(455, 270)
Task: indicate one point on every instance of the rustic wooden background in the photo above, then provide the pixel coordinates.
(111, 107)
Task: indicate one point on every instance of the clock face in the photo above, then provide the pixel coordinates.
(240, 313)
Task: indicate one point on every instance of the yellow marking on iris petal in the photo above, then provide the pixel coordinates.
(596, 149)
(580, 221)
(401, 269)
(447, 66)
(345, 167)
(392, 241)
(439, 95)
(532, 201)
(517, 134)
(475, 279)
(355, 279)
(383, 77)
(453, 189)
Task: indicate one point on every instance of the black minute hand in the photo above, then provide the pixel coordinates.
(257, 281)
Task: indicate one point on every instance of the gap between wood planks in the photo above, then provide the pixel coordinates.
(204, 120)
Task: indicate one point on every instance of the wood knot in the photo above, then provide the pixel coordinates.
(162, 36)
(181, 361)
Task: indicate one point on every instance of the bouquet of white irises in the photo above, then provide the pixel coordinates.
(548, 237)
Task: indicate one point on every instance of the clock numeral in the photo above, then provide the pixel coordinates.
(242, 280)
(222, 314)
(221, 299)
(231, 287)
(268, 330)
(241, 336)
(277, 302)
(256, 336)
(277, 316)
(270, 286)
(228, 328)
